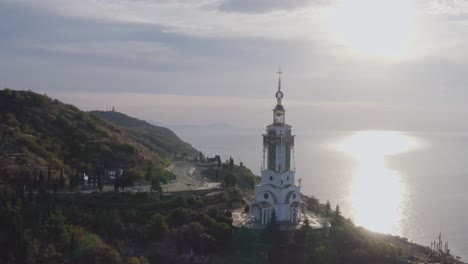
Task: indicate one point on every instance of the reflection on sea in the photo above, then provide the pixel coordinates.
(377, 194)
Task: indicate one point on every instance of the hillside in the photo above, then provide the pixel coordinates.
(158, 139)
(37, 132)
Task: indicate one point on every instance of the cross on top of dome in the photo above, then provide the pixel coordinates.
(279, 93)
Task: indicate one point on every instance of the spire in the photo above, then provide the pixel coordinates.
(278, 111)
(279, 79)
(279, 93)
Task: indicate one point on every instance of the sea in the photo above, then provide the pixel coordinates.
(406, 183)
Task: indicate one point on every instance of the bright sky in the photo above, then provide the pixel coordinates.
(349, 64)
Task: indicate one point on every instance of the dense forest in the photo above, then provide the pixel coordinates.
(147, 228)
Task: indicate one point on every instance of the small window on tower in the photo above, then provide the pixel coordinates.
(287, 178)
(271, 178)
(265, 195)
(294, 196)
(281, 182)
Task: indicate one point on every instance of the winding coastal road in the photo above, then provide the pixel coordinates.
(185, 181)
(183, 170)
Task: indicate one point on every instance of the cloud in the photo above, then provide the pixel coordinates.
(69, 52)
(263, 6)
(153, 48)
(447, 7)
(195, 18)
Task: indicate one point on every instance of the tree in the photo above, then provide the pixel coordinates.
(327, 213)
(272, 230)
(192, 234)
(41, 182)
(207, 244)
(273, 224)
(62, 181)
(324, 254)
(11, 214)
(50, 255)
(178, 217)
(230, 180)
(139, 260)
(31, 192)
(55, 228)
(155, 184)
(116, 183)
(94, 180)
(128, 177)
(49, 169)
(89, 248)
(153, 178)
(305, 231)
(231, 163)
(32, 251)
(72, 181)
(337, 210)
(149, 172)
(306, 225)
(99, 182)
(157, 226)
(188, 236)
(336, 219)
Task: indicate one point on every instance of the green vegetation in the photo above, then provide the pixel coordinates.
(235, 180)
(341, 242)
(109, 228)
(147, 228)
(231, 175)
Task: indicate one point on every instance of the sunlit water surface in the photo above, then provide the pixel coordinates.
(376, 193)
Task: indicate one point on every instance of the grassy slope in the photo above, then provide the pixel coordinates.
(159, 139)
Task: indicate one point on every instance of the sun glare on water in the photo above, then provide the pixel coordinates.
(377, 193)
(376, 27)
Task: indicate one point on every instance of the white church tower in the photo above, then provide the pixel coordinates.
(278, 191)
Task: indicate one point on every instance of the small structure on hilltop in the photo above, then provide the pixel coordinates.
(278, 195)
(440, 252)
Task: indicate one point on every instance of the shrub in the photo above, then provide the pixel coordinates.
(89, 248)
(157, 227)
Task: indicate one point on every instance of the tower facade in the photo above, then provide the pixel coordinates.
(278, 191)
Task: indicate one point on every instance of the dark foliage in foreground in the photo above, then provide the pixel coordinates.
(107, 228)
(146, 228)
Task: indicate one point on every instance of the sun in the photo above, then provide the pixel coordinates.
(375, 27)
